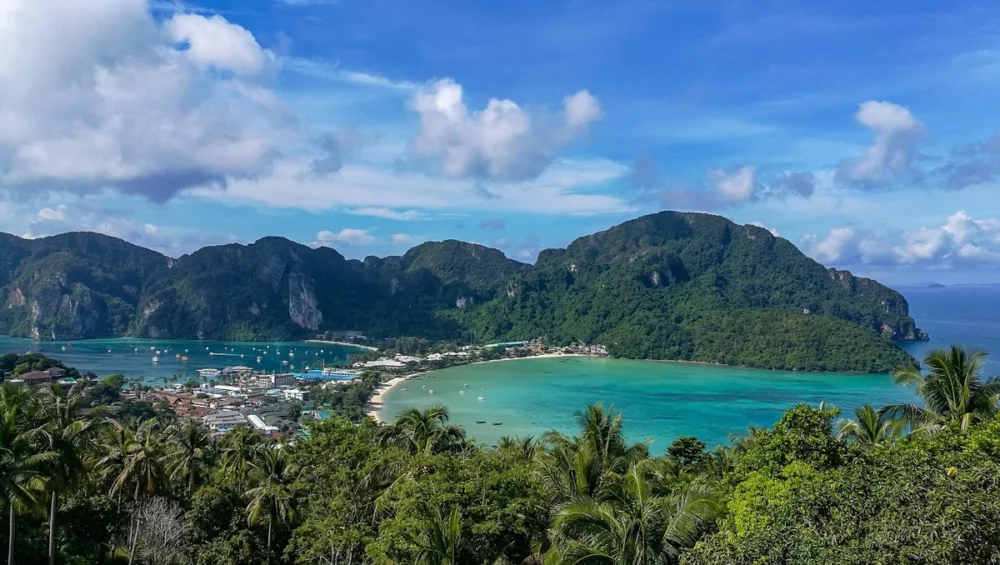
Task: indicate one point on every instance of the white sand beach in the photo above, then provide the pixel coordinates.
(345, 343)
(374, 406)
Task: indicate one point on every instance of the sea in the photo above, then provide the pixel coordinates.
(179, 360)
(661, 401)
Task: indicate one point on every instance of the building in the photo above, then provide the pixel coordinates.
(407, 359)
(222, 422)
(35, 378)
(209, 373)
(263, 380)
(384, 364)
(296, 394)
(260, 425)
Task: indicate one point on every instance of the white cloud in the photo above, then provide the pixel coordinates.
(96, 94)
(734, 186)
(349, 236)
(214, 42)
(406, 239)
(567, 187)
(386, 213)
(501, 142)
(892, 154)
(58, 214)
(961, 240)
(774, 231)
(317, 68)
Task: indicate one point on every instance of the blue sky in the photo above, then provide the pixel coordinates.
(865, 133)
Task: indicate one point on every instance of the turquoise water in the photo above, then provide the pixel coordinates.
(661, 401)
(134, 357)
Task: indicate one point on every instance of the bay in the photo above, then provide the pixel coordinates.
(661, 401)
(134, 357)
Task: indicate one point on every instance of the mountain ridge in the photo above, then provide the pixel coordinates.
(661, 286)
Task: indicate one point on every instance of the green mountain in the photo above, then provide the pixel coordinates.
(665, 286)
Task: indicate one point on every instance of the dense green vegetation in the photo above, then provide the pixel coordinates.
(896, 485)
(665, 286)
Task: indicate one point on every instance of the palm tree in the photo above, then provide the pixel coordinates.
(239, 448)
(953, 391)
(633, 525)
(869, 427)
(271, 500)
(442, 542)
(191, 455)
(424, 431)
(67, 436)
(527, 446)
(22, 459)
(132, 460)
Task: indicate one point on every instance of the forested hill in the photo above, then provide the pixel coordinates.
(664, 286)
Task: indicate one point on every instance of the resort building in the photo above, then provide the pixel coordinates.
(264, 380)
(35, 378)
(407, 359)
(296, 394)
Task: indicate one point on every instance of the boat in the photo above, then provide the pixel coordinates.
(64, 348)
(152, 347)
(466, 385)
(156, 359)
(403, 389)
(184, 359)
(258, 359)
(461, 392)
(497, 423)
(481, 421)
(482, 398)
(157, 351)
(431, 391)
(177, 355)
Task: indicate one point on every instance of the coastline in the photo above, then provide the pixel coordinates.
(374, 407)
(344, 343)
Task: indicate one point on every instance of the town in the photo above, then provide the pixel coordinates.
(281, 405)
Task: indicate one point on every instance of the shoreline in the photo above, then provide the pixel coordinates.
(344, 343)
(373, 408)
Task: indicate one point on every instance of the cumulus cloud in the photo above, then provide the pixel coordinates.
(100, 94)
(961, 240)
(891, 156)
(348, 236)
(736, 185)
(501, 142)
(407, 239)
(215, 43)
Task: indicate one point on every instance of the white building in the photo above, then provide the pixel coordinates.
(407, 359)
(296, 394)
(222, 422)
(435, 357)
(259, 424)
(262, 380)
(385, 364)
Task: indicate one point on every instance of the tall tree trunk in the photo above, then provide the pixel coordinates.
(10, 543)
(135, 538)
(52, 529)
(269, 542)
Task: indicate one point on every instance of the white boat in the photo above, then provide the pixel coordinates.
(482, 398)
(403, 389)
(258, 359)
(64, 348)
(109, 351)
(461, 392)
(157, 351)
(430, 391)
(156, 359)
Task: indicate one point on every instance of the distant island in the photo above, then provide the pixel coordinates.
(678, 286)
(936, 285)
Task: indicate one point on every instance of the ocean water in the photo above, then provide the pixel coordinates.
(661, 401)
(134, 357)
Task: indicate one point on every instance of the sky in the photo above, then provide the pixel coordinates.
(867, 133)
